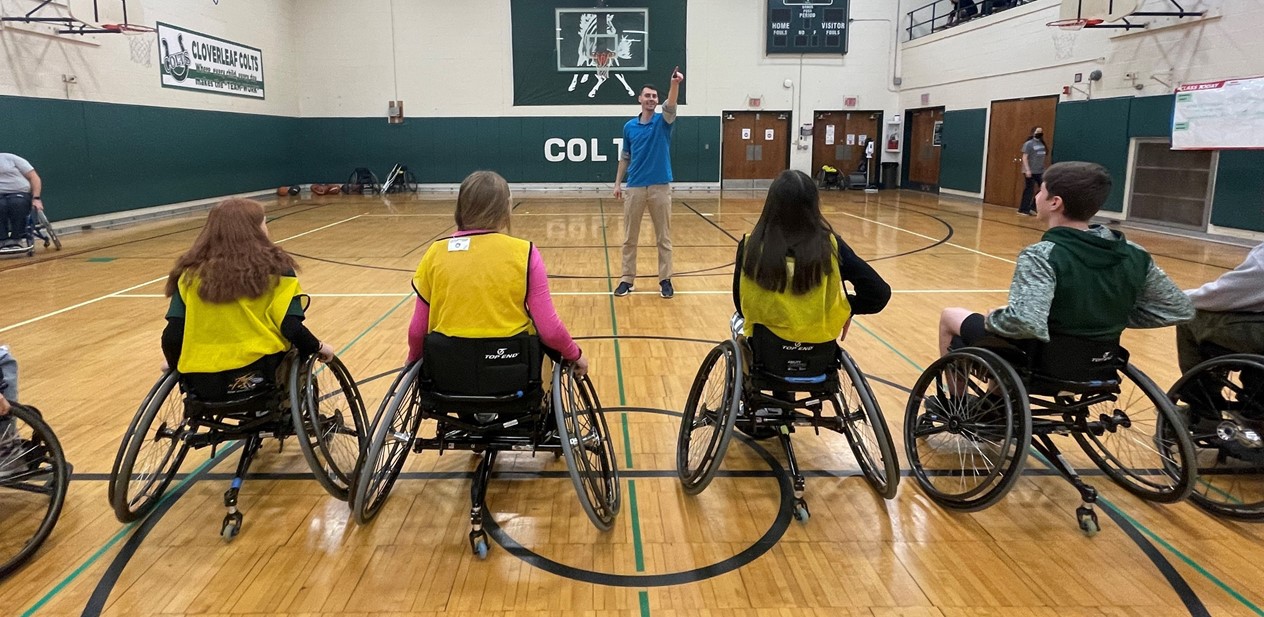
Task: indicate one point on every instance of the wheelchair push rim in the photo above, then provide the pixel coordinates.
(330, 421)
(34, 475)
(587, 446)
(155, 444)
(945, 442)
(866, 429)
(706, 427)
(42, 220)
(393, 431)
(1138, 440)
(1220, 400)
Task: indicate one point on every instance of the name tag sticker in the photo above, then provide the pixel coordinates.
(458, 244)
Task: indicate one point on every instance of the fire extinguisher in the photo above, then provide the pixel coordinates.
(893, 142)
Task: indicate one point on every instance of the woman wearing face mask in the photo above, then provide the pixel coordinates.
(1034, 154)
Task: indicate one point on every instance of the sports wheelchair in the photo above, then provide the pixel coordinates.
(320, 404)
(487, 396)
(973, 414)
(37, 228)
(754, 384)
(1222, 402)
(33, 479)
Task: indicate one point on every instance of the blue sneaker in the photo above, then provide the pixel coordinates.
(623, 289)
(665, 288)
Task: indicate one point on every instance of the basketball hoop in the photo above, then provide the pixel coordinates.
(1065, 32)
(142, 47)
(601, 59)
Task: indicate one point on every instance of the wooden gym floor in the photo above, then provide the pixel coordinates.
(85, 326)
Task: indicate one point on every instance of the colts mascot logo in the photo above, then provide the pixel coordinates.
(176, 64)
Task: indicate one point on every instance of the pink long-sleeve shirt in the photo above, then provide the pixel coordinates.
(540, 308)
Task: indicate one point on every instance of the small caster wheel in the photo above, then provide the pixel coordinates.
(801, 512)
(46, 243)
(231, 526)
(1088, 521)
(478, 543)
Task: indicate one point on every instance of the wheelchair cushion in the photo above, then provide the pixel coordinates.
(481, 367)
(796, 364)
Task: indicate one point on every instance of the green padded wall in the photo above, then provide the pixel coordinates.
(961, 157)
(1097, 132)
(445, 150)
(1239, 196)
(96, 158)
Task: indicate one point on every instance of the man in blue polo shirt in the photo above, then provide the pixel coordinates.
(646, 162)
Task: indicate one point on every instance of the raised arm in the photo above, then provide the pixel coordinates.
(669, 105)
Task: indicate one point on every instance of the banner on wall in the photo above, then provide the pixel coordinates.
(571, 52)
(195, 61)
(1219, 115)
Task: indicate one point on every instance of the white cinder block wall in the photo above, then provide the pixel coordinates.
(455, 59)
(33, 64)
(1013, 54)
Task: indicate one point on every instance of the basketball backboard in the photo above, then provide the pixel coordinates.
(1105, 10)
(101, 12)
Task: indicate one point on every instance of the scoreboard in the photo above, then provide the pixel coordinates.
(807, 27)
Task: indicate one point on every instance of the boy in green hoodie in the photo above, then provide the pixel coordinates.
(1080, 280)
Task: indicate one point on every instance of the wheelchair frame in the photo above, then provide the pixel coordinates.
(568, 422)
(185, 423)
(1002, 394)
(47, 473)
(1225, 417)
(880, 468)
(37, 226)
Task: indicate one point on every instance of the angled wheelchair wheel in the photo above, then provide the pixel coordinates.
(967, 428)
(587, 446)
(393, 432)
(707, 424)
(47, 228)
(1222, 404)
(866, 429)
(330, 421)
(1138, 440)
(151, 452)
(33, 479)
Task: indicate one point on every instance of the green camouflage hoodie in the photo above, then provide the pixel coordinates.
(1089, 284)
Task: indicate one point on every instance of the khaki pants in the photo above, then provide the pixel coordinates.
(1237, 332)
(635, 201)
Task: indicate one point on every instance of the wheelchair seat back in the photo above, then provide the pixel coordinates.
(491, 374)
(244, 391)
(1064, 364)
(786, 365)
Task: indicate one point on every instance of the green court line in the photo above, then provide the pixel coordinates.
(1221, 492)
(100, 260)
(1102, 500)
(638, 548)
(70, 578)
(1183, 557)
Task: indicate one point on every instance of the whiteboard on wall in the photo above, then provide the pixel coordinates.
(1219, 115)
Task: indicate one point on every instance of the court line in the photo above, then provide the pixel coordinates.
(146, 283)
(1112, 508)
(921, 235)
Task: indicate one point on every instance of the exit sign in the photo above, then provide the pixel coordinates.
(807, 27)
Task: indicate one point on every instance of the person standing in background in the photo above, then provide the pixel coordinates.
(1035, 154)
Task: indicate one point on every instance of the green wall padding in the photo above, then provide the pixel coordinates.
(1239, 196)
(96, 158)
(1097, 132)
(445, 150)
(961, 157)
(1151, 116)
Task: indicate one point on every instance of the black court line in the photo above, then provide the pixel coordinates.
(711, 222)
(1179, 585)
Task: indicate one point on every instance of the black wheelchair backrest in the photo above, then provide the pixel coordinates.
(790, 361)
(1074, 359)
(481, 366)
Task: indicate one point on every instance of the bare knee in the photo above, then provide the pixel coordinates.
(950, 320)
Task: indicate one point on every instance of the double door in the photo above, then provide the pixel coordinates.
(756, 145)
(838, 139)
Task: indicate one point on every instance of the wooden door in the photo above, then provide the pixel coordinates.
(747, 152)
(923, 148)
(1009, 127)
(831, 144)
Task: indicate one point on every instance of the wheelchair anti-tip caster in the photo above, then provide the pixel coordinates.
(1087, 518)
(231, 526)
(801, 512)
(478, 543)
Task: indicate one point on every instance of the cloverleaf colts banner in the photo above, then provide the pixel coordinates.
(195, 61)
